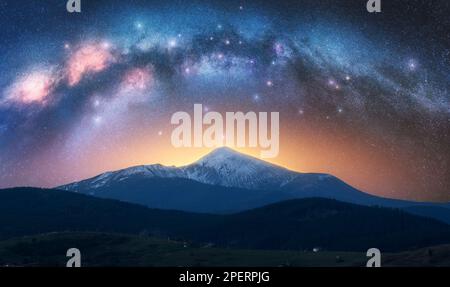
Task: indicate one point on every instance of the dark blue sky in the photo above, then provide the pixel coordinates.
(363, 96)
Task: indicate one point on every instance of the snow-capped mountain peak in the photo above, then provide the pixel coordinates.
(227, 156)
(227, 167)
(222, 166)
(221, 171)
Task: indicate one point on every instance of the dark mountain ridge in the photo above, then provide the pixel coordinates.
(291, 225)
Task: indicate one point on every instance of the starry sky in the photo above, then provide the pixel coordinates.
(362, 96)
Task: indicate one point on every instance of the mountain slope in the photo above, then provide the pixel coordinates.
(223, 167)
(27, 211)
(291, 225)
(226, 181)
(329, 224)
(229, 168)
(184, 194)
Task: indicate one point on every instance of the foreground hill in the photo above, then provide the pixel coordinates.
(291, 225)
(103, 249)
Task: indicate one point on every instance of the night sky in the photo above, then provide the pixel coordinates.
(362, 96)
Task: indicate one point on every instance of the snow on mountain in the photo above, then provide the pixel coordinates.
(107, 178)
(226, 167)
(225, 180)
(223, 167)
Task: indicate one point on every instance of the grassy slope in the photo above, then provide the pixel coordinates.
(100, 249)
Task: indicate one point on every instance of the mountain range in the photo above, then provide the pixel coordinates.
(300, 224)
(226, 181)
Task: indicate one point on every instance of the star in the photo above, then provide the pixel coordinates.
(412, 65)
(97, 120)
(172, 43)
(134, 72)
(139, 25)
(106, 45)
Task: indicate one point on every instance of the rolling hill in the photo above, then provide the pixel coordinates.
(120, 250)
(290, 225)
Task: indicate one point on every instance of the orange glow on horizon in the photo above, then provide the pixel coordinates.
(361, 165)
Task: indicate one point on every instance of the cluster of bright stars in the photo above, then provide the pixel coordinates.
(96, 57)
